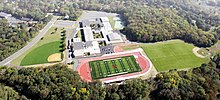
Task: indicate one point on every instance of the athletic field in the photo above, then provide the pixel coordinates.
(40, 54)
(113, 67)
(174, 54)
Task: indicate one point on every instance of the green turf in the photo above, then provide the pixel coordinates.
(39, 55)
(174, 54)
(105, 68)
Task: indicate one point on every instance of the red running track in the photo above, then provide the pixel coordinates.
(118, 49)
(84, 69)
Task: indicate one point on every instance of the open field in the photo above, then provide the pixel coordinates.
(113, 67)
(40, 55)
(48, 38)
(173, 54)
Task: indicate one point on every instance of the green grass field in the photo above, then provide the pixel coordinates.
(48, 38)
(174, 54)
(113, 67)
(40, 54)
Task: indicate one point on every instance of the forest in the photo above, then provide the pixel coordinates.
(37, 9)
(14, 38)
(60, 82)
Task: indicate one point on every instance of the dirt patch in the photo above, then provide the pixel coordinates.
(195, 51)
(54, 57)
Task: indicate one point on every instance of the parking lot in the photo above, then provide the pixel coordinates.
(64, 23)
(95, 14)
(107, 50)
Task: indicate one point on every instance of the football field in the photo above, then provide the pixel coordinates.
(113, 67)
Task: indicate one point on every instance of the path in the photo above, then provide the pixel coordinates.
(30, 44)
(42, 65)
(195, 51)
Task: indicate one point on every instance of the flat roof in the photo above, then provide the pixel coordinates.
(107, 26)
(82, 45)
(78, 45)
(114, 36)
(88, 44)
(86, 23)
(88, 34)
(104, 19)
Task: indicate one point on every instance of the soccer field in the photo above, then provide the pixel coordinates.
(113, 67)
(174, 54)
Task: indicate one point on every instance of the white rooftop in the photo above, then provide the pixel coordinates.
(107, 26)
(104, 19)
(114, 37)
(88, 34)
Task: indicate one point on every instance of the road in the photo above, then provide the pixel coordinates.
(30, 44)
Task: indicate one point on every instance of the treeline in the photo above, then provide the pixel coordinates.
(37, 9)
(59, 82)
(14, 38)
(191, 11)
(151, 24)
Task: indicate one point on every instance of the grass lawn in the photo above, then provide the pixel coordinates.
(174, 54)
(39, 55)
(112, 22)
(48, 38)
(130, 47)
(113, 67)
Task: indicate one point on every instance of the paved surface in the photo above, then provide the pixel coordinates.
(76, 63)
(64, 23)
(107, 50)
(30, 44)
(95, 14)
(72, 35)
